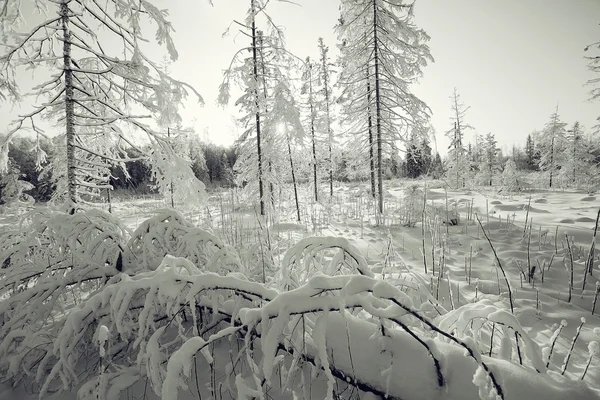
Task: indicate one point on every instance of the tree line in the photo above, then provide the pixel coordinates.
(212, 164)
(307, 117)
(563, 155)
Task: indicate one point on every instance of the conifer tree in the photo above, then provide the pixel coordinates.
(325, 75)
(95, 85)
(512, 180)
(530, 153)
(286, 116)
(594, 67)
(12, 184)
(579, 158)
(254, 75)
(384, 54)
(489, 163)
(553, 144)
(418, 156)
(308, 83)
(437, 167)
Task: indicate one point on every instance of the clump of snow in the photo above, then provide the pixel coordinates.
(103, 335)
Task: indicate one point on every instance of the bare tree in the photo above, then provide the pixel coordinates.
(308, 78)
(457, 161)
(325, 72)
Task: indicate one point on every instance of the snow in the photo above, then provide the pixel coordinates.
(103, 336)
(329, 304)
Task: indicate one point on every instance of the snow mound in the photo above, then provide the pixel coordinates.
(585, 219)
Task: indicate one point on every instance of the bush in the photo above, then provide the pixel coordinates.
(88, 307)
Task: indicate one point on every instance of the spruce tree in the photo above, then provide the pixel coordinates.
(97, 81)
(530, 153)
(384, 54)
(489, 163)
(552, 145)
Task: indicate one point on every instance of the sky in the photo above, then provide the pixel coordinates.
(512, 61)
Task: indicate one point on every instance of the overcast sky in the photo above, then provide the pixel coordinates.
(512, 61)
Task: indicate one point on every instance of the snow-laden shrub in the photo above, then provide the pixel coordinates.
(486, 323)
(54, 260)
(412, 205)
(512, 179)
(12, 187)
(50, 263)
(301, 262)
(160, 320)
(169, 233)
(183, 329)
(174, 325)
(446, 215)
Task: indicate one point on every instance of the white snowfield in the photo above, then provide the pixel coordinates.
(350, 315)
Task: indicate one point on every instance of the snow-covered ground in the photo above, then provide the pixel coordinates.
(469, 298)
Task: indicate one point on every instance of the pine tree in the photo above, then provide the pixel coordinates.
(12, 185)
(418, 156)
(530, 153)
(594, 67)
(579, 159)
(489, 163)
(512, 180)
(384, 53)
(437, 167)
(552, 145)
(286, 116)
(95, 84)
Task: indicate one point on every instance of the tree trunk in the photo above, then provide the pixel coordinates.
(257, 115)
(457, 138)
(575, 140)
(370, 130)
(457, 158)
(293, 177)
(69, 104)
(551, 158)
(264, 82)
(109, 200)
(328, 115)
(491, 169)
(312, 131)
(378, 108)
(171, 185)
